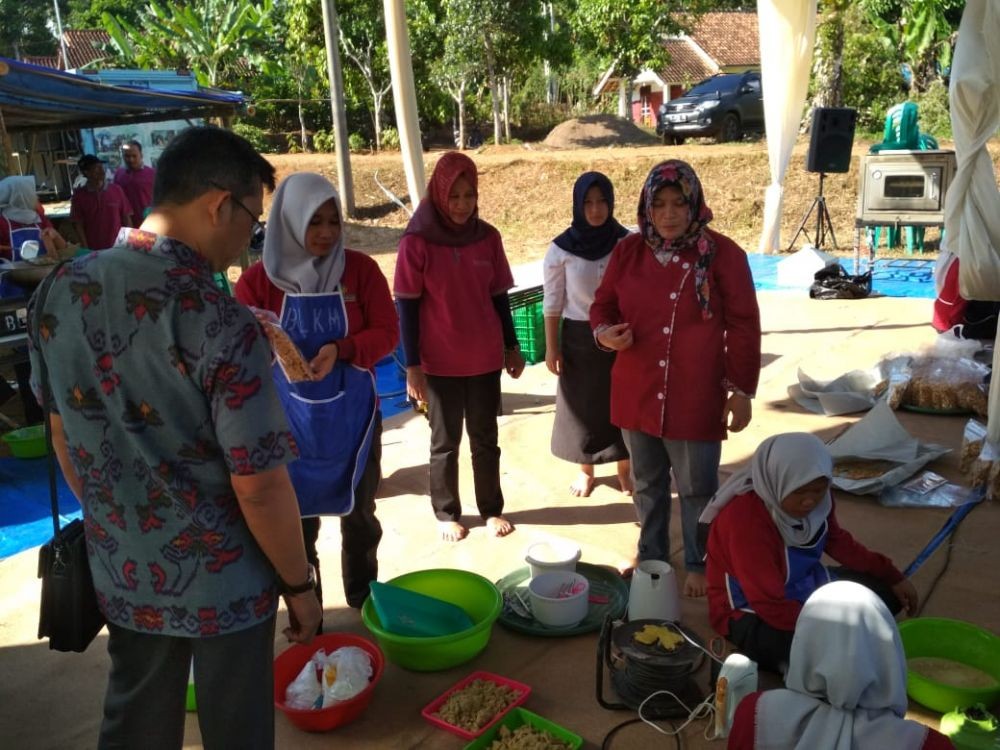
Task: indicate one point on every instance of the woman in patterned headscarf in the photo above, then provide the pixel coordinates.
(574, 264)
(677, 304)
(451, 285)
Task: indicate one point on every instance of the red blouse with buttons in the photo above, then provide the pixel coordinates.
(674, 380)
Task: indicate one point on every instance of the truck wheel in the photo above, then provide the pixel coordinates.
(730, 130)
(672, 140)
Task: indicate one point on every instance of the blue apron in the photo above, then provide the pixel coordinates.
(332, 420)
(805, 572)
(19, 236)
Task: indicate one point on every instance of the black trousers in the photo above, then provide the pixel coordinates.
(234, 687)
(474, 400)
(770, 647)
(360, 531)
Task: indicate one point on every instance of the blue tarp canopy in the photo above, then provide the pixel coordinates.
(35, 98)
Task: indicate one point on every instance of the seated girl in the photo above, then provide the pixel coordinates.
(845, 686)
(771, 524)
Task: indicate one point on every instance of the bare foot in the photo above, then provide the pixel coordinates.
(499, 525)
(695, 584)
(582, 486)
(625, 477)
(452, 531)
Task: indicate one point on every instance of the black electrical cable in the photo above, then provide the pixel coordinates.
(634, 682)
(615, 729)
(940, 574)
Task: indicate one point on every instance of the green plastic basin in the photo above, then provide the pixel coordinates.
(475, 595)
(956, 640)
(27, 442)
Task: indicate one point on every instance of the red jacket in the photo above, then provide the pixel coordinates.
(373, 327)
(672, 382)
(745, 543)
(743, 733)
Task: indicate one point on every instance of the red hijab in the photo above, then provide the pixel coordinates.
(431, 220)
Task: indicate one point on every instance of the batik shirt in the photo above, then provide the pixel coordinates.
(164, 388)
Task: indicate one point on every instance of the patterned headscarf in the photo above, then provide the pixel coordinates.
(431, 220)
(582, 239)
(679, 174)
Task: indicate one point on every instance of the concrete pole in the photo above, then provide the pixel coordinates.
(345, 182)
(404, 96)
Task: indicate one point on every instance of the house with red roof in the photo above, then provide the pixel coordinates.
(718, 42)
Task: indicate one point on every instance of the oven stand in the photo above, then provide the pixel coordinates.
(823, 223)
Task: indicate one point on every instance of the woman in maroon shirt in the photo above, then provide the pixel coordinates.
(677, 303)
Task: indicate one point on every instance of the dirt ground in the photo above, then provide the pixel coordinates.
(526, 189)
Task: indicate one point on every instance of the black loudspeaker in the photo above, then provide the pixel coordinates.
(830, 140)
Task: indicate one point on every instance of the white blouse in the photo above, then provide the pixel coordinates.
(569, 283)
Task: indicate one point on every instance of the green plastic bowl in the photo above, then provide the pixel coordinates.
(477, 596)
(27, 442)
(956, 640)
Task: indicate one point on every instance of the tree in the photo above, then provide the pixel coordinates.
(87, 14)
(24, 28)
(828, 67)
(362, 38)
(215, 39)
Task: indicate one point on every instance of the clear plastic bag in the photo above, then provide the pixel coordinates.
(351, 669)
(927, 490)
(305, 691)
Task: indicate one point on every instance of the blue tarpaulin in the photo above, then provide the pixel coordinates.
(37, 98)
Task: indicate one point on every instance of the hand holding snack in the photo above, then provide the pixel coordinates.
(294, 365)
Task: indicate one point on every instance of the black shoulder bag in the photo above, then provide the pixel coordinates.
(68, 615)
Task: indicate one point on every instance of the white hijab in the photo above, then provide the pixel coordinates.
(287, 262)
(846, 679)
(779, 466)
(18, 200)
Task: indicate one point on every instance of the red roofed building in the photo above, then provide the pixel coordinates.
(719, 42)
(82, 47)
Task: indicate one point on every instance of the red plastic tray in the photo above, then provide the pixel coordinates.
(431, 708)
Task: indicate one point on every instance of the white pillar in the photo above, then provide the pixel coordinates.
(624, 100)
(404, 96)
(345, 182)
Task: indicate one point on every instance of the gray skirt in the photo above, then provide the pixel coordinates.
(582, 432)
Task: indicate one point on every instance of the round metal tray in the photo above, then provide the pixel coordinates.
(605, 583)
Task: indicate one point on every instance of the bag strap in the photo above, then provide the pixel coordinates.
(43, 380)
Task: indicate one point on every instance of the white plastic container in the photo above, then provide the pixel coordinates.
(556, 554)
(559, 599)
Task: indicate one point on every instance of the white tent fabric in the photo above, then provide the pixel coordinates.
(787, 34)
(972, 206)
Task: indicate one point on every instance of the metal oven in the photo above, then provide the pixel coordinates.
(904, 187)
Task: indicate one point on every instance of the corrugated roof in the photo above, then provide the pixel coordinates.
(83, 46)
(37, 98)
(731, 38)
(686, 64)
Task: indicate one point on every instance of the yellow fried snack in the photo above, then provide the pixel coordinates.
(668, 638)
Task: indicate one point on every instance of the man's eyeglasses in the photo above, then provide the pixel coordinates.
(256, 228)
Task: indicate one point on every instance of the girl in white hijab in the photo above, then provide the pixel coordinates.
(334, 303)
(846, 683)
(770, 526)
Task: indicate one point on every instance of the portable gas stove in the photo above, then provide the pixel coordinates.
(638, 670)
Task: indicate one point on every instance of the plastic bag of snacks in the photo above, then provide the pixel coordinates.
(936, 383)
(329, 678)
(979, 460)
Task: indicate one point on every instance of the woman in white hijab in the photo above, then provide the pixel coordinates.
(21, 220)
(770, 526)
(334, 304)
(845, 688)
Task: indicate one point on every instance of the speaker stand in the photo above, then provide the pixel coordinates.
(823, 223)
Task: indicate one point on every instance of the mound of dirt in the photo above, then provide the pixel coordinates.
(597, 130)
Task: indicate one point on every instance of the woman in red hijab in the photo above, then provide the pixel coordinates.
(451, 284)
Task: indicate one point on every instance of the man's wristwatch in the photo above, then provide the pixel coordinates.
(308, 585)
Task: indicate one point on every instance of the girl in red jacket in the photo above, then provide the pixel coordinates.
(335, 305)
(845, 686)
(771, 524)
